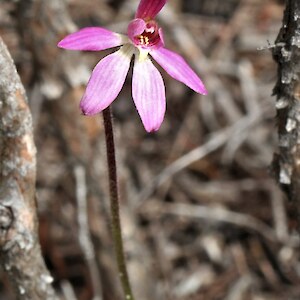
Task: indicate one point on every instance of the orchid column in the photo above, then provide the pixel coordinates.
(144, 39)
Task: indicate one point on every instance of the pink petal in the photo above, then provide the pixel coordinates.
(91, 39)
(148, 92)
(148, 9)
(106, 81)
(136, 27)
(178, 68)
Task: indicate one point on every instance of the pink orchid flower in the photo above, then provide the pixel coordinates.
(144, 38)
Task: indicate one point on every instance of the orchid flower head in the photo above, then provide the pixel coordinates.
(144, 39)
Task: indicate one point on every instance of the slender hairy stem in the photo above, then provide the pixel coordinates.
(114, 203)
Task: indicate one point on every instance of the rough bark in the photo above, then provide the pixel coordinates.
(20, 253)
(286, 53)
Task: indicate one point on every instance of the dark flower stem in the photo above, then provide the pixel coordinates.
(114, 204)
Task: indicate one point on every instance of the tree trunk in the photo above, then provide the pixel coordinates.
(20, 253)
(286, 163)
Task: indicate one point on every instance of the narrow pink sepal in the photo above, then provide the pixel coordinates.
(178, 68)
(162, 39)
(136, 27)
(106, 82)
(148, 93)
(149, 8)
(91, 39)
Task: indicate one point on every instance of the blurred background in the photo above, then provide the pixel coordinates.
(201, 215)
